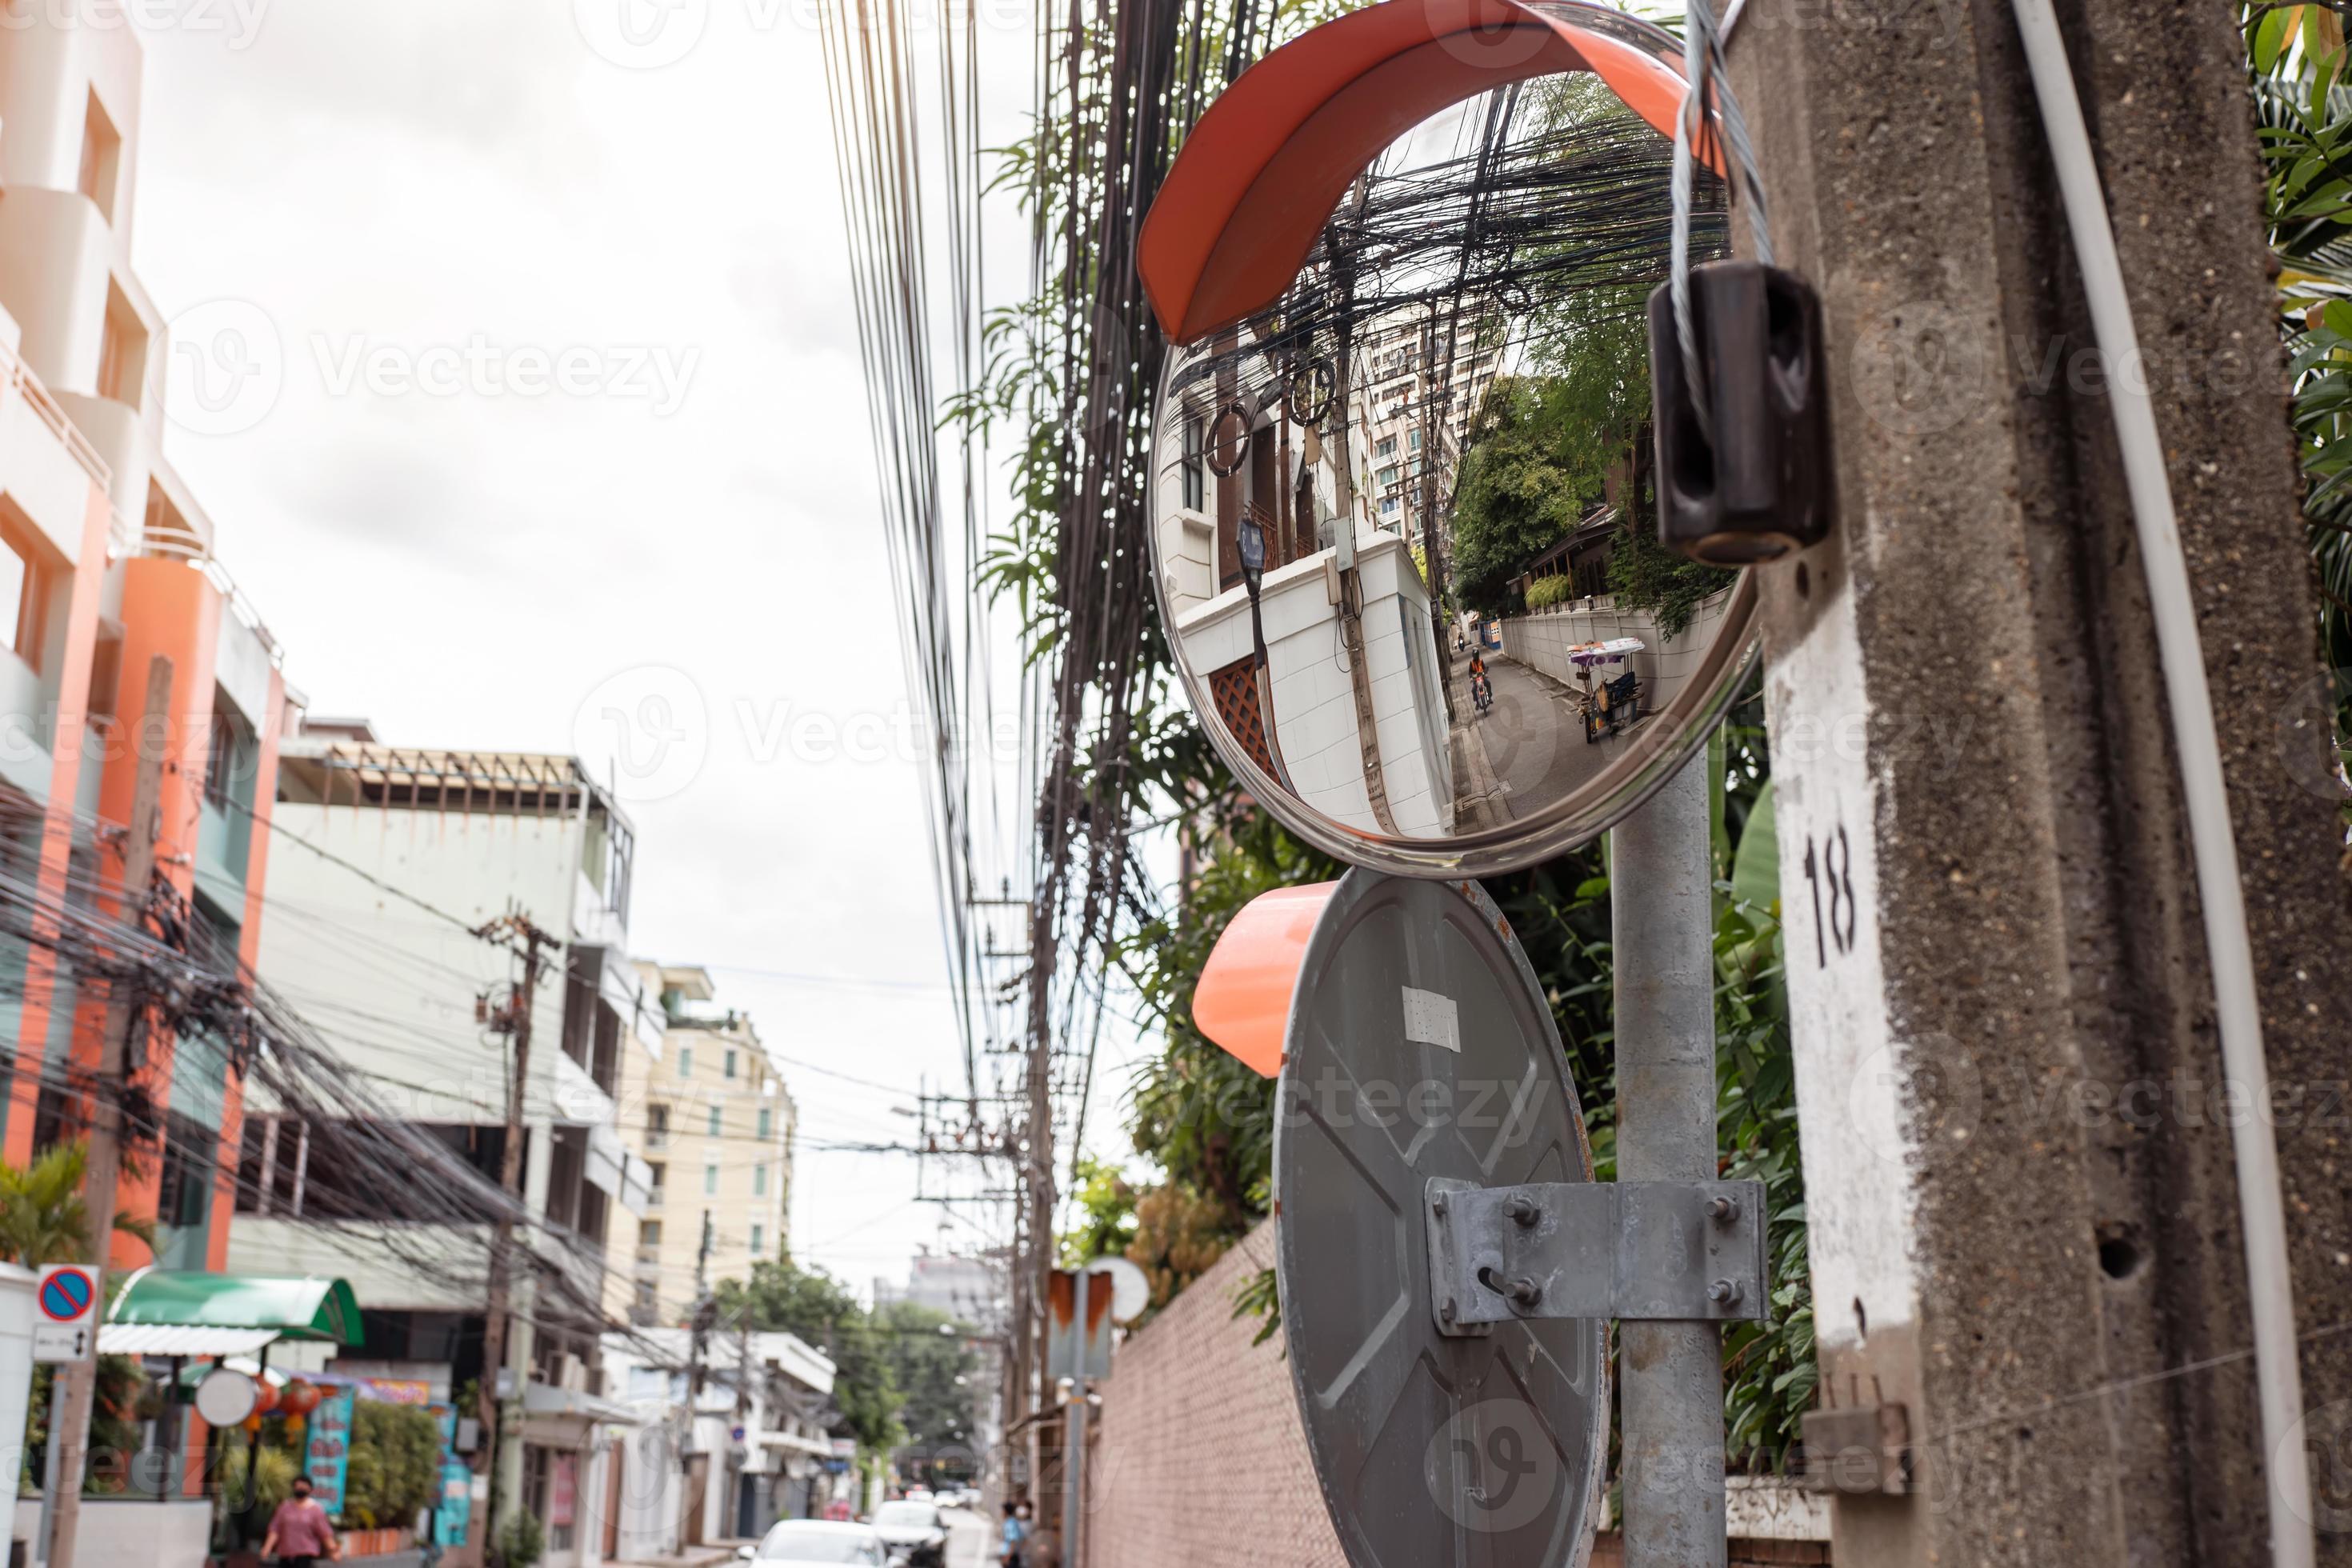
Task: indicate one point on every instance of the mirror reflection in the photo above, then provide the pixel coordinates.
(1404, 530)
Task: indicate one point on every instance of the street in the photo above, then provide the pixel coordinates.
(1526, 750)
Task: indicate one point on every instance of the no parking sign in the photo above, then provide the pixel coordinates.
(66, 1300)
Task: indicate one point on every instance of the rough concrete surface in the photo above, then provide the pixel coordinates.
(2078, 1239)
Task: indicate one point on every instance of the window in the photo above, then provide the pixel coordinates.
(713, 1130)
(686, 1061)
(731, 1064)
(102, 156)
(657, 1126)
(1412, 441)
(1194, 472)
(758, 1181)
(709, 1181)
(655, 1176)
(759, 1240)
(1387, 447)
(105, 673)
(1387, 506)
(1387, 476)
(228, 758)
(767, 1122)
(649, 1233)
(20, 598)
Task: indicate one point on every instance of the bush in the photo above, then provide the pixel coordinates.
(522, 1542)
(279, 1468)
(1546, 592)
(396, 1462)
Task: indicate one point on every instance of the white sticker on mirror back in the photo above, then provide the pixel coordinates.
(1429, 1019)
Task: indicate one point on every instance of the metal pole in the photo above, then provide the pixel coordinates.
(1671, 1372)
(78, 1378)
(1074, 1437)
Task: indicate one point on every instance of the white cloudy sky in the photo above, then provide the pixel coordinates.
(474, 569)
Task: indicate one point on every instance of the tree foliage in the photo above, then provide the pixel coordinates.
(783, 1297)
(1520, 489)
(932, 1370)
(2296, 58)
(394, 1463)
(42, 1216)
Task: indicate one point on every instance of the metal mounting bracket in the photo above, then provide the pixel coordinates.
(1674, 1251)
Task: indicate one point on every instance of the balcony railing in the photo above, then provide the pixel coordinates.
(182, 543)
(653, 1197)
(45, 408)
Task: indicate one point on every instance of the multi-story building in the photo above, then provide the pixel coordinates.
(393, 985)
(1408, 396)
(107, 567)
(749, 1449)
(709, 1115)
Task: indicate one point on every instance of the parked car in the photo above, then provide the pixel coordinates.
(816, 1540)
(920, 1494)
(915, 1530)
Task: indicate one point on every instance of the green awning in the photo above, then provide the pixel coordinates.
(299, 1308)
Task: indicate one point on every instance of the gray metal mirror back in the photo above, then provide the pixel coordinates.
(1421, 1049)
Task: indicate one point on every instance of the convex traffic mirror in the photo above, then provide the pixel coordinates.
(1403, 512)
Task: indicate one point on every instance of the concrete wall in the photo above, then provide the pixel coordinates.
(1203, 1463)
(1314, 691)
(391, 987)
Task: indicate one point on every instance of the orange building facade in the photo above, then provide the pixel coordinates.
(107, 563)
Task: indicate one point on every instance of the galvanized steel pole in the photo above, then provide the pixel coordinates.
(1671, 1372)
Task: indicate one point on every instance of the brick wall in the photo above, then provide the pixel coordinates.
(1203, 1463)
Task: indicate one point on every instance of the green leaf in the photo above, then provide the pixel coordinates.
(1756, 868)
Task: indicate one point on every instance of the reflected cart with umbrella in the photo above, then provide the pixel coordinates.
(1611, 701)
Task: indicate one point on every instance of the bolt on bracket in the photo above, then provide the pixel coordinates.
(1662, 1251)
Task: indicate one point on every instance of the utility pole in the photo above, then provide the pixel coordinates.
(698, 1346)
(1033, 1277)
(103, 1173)
(1434, 415)
(2035, 1313)
(1660, 899)
(503, 1413)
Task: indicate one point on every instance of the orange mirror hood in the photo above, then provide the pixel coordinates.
(1269, 160)
(1243, 998)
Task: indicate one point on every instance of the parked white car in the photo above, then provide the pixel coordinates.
(816, 1540)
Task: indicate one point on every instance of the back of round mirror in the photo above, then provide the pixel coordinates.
(1403, 527)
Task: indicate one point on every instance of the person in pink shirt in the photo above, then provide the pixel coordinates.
(299, 1533)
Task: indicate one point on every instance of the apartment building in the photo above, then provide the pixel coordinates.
(1406, 399)
(108, 565)
(709, 1115)
(392, 984)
